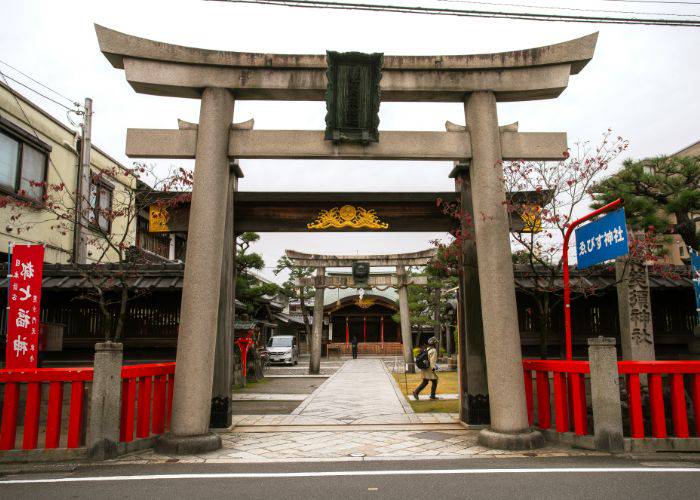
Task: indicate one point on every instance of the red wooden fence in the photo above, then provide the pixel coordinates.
(570, 395)
(147, 396)
(675, 371)
(33, 379)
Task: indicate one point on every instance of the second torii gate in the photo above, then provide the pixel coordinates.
(400, 261)
(218, 78)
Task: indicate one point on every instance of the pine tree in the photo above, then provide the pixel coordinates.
(661, 193)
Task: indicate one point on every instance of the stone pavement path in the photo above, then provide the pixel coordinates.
(361, 390)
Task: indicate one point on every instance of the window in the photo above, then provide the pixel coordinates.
(33, 170)
(101, 204)
(23, 161)
(280, 342)
(9, 160)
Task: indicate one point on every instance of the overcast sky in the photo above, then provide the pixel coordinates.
(643, 82)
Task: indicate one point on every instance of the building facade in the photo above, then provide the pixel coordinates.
(38, 153)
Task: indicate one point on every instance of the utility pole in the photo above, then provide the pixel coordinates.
(82, 190)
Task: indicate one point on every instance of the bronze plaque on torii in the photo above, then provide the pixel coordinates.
(353, 96)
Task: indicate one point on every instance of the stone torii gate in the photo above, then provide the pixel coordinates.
(218, 78)
(400, 281)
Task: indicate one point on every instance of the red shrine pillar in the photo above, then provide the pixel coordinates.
(364, 328)
(381, 330)
(347, 331)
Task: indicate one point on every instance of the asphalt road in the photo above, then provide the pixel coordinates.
(540, 478)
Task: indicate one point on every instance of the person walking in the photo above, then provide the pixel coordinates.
(429, 372)
(354, 346)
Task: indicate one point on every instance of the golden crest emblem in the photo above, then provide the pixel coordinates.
(347, 216)
(531, 216)
(364, 303)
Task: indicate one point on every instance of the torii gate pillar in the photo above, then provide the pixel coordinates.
(317, 331)
(474, 397)
(509, 423)
(189, 432)
(405, 315)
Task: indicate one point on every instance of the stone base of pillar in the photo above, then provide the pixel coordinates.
(529, 439)
(478, 411)
(169, 444)
(220, 413)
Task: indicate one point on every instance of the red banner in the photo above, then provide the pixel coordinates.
(24, 306)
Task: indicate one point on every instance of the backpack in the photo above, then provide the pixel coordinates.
(422, 360)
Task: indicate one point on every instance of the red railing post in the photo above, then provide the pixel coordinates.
(31, 416)
(75, 418)
(678, 410)
(159, 404)
(544, 412)
(561, 403)
(8, 429)
(528, 396)
(577, 386)
(53, 416)
(143, 423)
(126, 429)
(634, 389)
(658, 415)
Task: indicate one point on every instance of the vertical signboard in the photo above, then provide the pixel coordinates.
(602, 240)
(24, 306)
(695, 270)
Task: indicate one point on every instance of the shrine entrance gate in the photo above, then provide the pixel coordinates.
(219, 78)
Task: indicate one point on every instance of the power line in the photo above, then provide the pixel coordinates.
(36, 91)
(654, 1)
(525, 16)
(576, 9)
(72, 101)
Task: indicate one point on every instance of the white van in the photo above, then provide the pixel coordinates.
(283, 349)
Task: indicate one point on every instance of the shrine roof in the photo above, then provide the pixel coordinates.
(603, 276)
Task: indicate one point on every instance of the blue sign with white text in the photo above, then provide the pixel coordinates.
(695, 269)
(601, 240)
